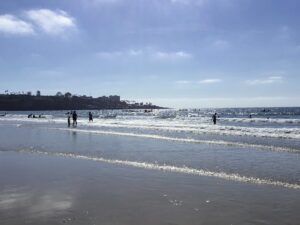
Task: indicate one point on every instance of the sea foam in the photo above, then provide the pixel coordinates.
(186, 125)
(169, 168)
(186, 140)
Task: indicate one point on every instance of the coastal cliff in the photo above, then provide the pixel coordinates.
(16, 102)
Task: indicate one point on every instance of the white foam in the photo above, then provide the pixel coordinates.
(196, 126)
(262, 120)
(186, 140)
(175, 169)
(286, 133)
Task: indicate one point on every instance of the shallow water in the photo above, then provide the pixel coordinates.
(180, 138)
(49, 189)
(238, 156)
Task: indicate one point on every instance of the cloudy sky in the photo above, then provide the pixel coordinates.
(177, 53)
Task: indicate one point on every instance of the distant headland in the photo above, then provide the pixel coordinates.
(66, 101)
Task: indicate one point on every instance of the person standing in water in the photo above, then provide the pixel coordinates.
(74, 115)
(90, 117)
(69, 119)
(214, 118)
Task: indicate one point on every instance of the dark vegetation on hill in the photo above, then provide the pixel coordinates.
(10, 102)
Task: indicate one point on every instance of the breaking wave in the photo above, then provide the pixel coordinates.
(169, 168)
(195, 125)
(186, 140)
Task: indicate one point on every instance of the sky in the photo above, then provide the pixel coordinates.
(174, 53)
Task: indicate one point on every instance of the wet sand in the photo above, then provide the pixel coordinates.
(41, 189)
(53, 175)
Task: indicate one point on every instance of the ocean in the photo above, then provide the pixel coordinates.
(258, 153)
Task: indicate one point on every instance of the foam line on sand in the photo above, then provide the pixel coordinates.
(186, 140)
(174, 169)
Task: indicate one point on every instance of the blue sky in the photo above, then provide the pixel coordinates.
(176, 53)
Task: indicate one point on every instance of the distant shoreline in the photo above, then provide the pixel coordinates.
(14, 102)
(142, 108)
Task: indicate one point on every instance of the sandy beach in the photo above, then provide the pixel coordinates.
(51, 174)
(39, 189)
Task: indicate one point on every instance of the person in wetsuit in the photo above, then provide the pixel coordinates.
(69, 119)
(90, 117)
(214, 118)
(74, 115)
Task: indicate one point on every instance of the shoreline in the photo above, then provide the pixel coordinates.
(85, 192)
(143, 170)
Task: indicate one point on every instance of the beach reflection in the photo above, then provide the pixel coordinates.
(36, 204)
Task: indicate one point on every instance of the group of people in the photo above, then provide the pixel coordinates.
(35, 116)
(215, 116)
(74, 116)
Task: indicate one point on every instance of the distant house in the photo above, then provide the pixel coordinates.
(103, 99)
(114, 98)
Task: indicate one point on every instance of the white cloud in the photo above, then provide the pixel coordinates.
(206, 102)
(171, 55)
(268, 80)
(133, 52)
(276, 78)
(10, 24)
(147, 52)
(51, 22)
(182, 82)
(205, 81)
(109, 55)
(209, 81)
(119, 54)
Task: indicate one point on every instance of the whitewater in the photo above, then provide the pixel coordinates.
(262, 149)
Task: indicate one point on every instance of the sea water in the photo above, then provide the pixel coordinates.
(262, 149)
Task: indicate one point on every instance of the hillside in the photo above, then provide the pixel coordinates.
(15, 102)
